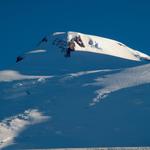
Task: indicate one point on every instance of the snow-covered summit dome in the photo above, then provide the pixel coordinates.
(72, 50)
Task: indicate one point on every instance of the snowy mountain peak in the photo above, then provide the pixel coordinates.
(68, 42)
(73, 86)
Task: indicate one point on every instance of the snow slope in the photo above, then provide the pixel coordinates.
(10, 127)
(88, 100)
(106, 46)
(11, 75)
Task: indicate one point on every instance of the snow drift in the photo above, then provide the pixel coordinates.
(12, 126)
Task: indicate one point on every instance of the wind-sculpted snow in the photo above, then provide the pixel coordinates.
(37, 51)
(126, 78)
(67, 96)
(81, 73)
(12, 126)
(12, 75)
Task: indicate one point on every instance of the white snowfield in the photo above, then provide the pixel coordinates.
(100, 45)
(12, 75)
(130, 77)
(12, 126)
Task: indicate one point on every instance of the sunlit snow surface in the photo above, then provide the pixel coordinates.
(12, 126)
(11, 75)
(86, 100)
(52, 93)
(124, 79)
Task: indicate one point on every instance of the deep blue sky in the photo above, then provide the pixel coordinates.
(24, 22)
